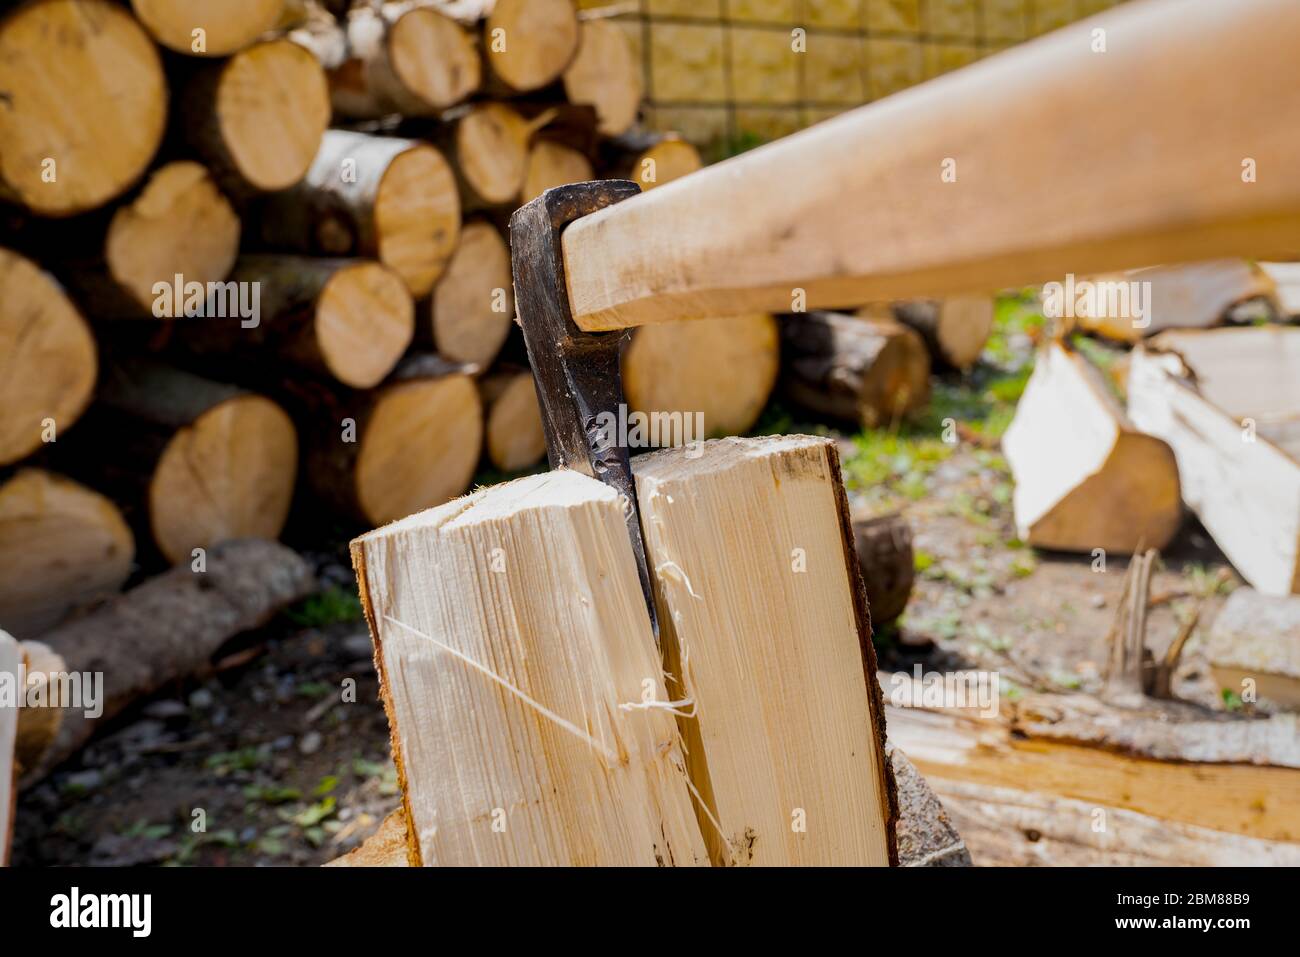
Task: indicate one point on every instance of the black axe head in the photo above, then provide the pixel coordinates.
(579, 384)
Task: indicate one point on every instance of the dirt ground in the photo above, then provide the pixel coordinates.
(280, 770)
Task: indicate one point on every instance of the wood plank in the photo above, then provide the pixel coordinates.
(764, 628)
(1066, 160)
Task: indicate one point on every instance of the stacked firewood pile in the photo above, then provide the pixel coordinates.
(256, 257)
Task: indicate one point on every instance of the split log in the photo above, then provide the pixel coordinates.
(50, 359)
(529, 43)
(1142, 302)
(488, 145)
(1085, 477)
(179, 225)
(765, 630)
(62, 546)
(411, 444)
(1286, 281)
(553, 164)
(351, 319)
(1239, 465)
(1008, 827)
(716, 375)
(257, 119)
(471, 309)
(376, 197)
(11, 658)
(515, 437)
(926, 836)
(651, 159)
(77, 75)
(1255, 644)
(385, 848)
(405, 57)
(884, 549)
(955, 330)
(208, 27)
(38, 728)
(866, 371)
(217, 462)
(507, 682)
(606, 74)
(169, 628)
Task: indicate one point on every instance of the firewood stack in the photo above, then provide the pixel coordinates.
(253, 259)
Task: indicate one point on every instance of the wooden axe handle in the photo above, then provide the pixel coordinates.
(1066, 159)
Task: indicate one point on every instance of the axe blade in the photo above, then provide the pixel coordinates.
(577, 375)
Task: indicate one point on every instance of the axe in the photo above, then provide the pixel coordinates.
(1163, 131)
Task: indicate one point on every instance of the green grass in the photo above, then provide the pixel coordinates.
(332, 606)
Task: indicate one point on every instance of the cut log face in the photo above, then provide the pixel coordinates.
(62, 129)
(50, 359)
(511, 687)
(515, 436)
(530, 42)
(1085, 477)
(868, 371)
(716, 371)
(434, 57)
(666, 160)
(258, 118)
(379, 197)
(955, 330)
(553, 164)
(605, 73)
(764, 628)
(1241, 478)
(179, 225)
(11, 658)
(1255, 644)
(61, 547)
(1194, 296)
(492, 153)
(208, 27)
(473, 304)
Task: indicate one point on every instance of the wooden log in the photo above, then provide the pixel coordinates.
(1254, 647)
(257, 118)
(740, 236)
(208, 27)
(651, 159)
(866, 371)
(11, 657)
(62, 546)
(488, 144)
(1221, 403)
(954, 329)
(605, 73)
(1085, 476)
(409, 445)
(350, 319)
(508, 690)
(38, 728)
(77, 74)
(217, 462)
(1193, 296)
(718, 374)
(376, 197)
(169, 627)
(405, 57)
(515, 439)
(50, 359)
(385, 848)
(472, 306)
(883, 544)
(1010, 827)
(765, 631)
(529, 43)
(1286, 282)
(553, 164)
